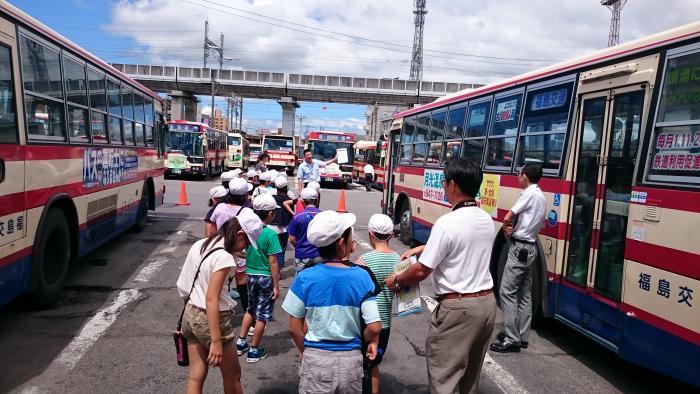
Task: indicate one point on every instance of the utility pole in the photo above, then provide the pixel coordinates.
(240, 113)
(217, 50)
(615, 7)
(417, 55)
(301, 122)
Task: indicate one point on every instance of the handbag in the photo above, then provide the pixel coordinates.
(183, 357)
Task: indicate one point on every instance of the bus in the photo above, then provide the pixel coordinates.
(194, 149)
(81, 156)
(281, 149)
(238, 154)
(324, 145)
(618, 135)
(374, 153)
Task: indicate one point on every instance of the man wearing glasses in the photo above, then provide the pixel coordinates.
(458, 254)
(516, 286)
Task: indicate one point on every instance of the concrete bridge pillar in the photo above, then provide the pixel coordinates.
(289, 110)
(183, 106)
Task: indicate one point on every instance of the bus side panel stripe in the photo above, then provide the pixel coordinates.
(673, 199)
(12, 152)
(50, 152)
(11, 258)
(11, 203)
(672, 260)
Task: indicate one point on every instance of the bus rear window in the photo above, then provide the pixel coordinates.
(675, 152)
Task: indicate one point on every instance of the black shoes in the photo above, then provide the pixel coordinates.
(501, 337)
(502, 347)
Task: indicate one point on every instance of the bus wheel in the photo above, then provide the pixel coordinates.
(405, 234)
(51, 258)
(142, 213)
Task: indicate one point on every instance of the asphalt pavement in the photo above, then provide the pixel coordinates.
(112, 329)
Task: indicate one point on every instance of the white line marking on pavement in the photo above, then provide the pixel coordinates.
(94, 328)
(169, 249)
(151, 268)
(505, 381)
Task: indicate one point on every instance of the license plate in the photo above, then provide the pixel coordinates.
(329, 179)
(176, 171)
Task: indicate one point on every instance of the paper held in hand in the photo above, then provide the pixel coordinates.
(342, 154)
(408, 300)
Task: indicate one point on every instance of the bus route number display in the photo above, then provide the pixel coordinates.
(108, 166)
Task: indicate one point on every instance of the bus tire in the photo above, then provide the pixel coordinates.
(405, 233)
(51, 258)
(142, 213)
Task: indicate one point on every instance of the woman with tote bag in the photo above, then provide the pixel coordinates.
(207, 326)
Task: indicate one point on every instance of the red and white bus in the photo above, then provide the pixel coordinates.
(81, 155)
(195, 149)
(324, 145)
(374, 153)
(282, 151)
(618, 135)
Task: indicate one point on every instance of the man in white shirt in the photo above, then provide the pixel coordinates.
(458, 254)
(369, 176)
(516, 285)
(309, 169)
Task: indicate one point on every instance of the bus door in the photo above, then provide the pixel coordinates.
(392, 160)
(606, 151)
(13, 215)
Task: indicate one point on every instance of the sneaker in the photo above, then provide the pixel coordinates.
(242, 348)
(502, 337)
(255, 355)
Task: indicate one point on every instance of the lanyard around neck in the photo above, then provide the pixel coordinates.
(464, 204)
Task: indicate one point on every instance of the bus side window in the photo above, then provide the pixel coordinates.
(8, 122)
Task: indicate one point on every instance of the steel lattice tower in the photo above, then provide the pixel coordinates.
(615, 6)
(417, 55)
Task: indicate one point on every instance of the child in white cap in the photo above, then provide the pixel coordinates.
(381, 261)
(337, 297)
(283, 215)
(215, 194)
(263, 281)
(316, 186)
(265, 179)
(226, 178)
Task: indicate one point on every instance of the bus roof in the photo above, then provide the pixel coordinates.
(645, 43)
(32, 23)
(364, 144)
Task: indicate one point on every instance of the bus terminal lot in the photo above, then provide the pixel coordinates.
(111, 330)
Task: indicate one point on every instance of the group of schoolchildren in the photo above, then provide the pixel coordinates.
(340, 311)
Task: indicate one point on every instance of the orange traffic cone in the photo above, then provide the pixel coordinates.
(183, 195)
(299, 208)
(341, 203)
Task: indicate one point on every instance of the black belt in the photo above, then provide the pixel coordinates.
(522, 241)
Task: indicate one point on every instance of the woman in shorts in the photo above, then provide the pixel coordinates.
(208, 319)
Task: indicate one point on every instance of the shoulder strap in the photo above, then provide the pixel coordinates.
(179, 323)
(239, 210)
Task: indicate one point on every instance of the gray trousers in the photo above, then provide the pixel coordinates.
(458, 337)
(516, 293)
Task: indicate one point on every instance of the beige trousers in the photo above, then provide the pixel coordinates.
(459, 334)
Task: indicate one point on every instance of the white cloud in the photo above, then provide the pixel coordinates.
(538, 31)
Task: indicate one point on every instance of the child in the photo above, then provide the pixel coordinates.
(305, 253)
(264, 185)
(215, 194)
(381, 262)
(283, 215)
(263, 281)
(334, 299)
(201, 282)
(316, 186)
(226, 178)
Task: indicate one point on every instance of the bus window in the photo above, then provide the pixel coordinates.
(128, 132)
(501, 141)
(475, 134)
(455, 122)
(8, 122)
(407, 136)
(675, 155)
(98, 125)
(545, 122)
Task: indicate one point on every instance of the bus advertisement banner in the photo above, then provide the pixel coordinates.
(432, 186)
(107, 166)
(488, 194)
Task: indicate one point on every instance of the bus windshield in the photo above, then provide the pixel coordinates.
(189, 143)
(326, 150)
(234, 141)
(279, 144)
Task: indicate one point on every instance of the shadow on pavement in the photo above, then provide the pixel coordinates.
(624, 375)
(31, 339)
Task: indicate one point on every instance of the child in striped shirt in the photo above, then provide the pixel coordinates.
(381, 262)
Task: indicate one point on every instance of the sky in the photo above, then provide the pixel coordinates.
(468, 41)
